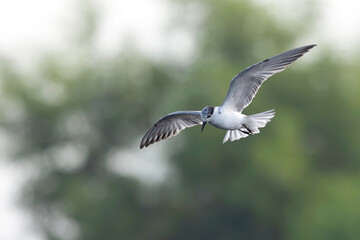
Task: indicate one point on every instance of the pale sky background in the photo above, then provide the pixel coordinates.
(30, 28)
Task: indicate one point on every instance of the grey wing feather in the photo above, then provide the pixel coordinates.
(245, 85)
(170, 125)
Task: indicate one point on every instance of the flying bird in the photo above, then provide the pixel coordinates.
(228, 115)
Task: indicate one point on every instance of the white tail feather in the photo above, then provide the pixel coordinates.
(227, 135)
(253, 123)
(259, 120)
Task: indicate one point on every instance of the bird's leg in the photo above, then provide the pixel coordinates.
(249, 132)
(244, 132)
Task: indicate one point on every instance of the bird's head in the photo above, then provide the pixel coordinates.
(206, 113)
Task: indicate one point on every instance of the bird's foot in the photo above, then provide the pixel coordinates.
(248, 132)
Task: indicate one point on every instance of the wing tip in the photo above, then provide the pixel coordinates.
(147, 140)
(308, 47)
(142, 143)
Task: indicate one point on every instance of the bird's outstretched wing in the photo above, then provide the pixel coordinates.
(171, 125)
(245, 85)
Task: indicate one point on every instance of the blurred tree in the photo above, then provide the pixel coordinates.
(297, 180)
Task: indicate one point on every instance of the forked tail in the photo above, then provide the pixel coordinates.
(251, 126)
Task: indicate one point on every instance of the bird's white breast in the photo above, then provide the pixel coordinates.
(227, 119)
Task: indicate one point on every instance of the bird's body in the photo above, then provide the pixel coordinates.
(227, 119)
(228, 115)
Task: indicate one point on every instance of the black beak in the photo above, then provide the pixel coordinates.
(203, 125)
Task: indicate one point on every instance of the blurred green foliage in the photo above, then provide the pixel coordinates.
(298, 179)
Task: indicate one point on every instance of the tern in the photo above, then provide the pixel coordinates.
(228, 116)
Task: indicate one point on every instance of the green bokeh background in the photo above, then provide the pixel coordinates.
(78, 111)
